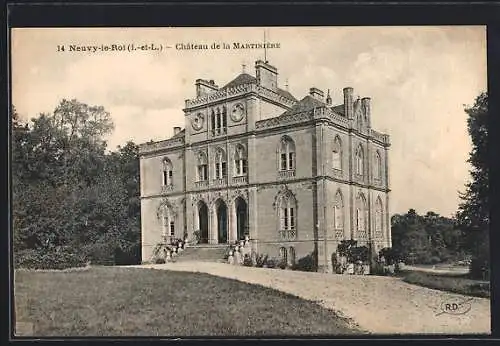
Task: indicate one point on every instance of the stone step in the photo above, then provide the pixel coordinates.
(203, 254)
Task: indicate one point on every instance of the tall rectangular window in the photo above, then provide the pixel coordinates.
(224, 170)
(217, 171)
(285, 218)
(283, 161)
(244, 166)
(165, 179)
(292, 219)
(172, 229)
(290, 160)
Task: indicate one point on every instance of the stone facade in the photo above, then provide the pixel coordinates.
(296, 176)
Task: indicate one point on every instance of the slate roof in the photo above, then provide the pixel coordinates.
(306, 104)
(339, 109)
(245, 78)
(286, 94)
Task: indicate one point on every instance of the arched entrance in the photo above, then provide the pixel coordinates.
(221, 222)
(241, 217)
(203, 222)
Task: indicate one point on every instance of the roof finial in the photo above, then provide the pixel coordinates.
(328, 98)
(286, 84)
(243, 68)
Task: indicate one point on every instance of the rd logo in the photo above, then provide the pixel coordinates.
(456, 306)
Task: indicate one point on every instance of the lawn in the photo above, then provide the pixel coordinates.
(107, 301)
(456, 283)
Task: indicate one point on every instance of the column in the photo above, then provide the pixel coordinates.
(232, 232)
(253, 216)
(212, 225)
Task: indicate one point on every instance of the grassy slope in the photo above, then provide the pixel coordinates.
(139, 302)
(455, 283)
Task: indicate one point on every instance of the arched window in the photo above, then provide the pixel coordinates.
(240, 161)
(361, 217)
(224, 119)
(213, 122)
(284, 255)
(379, 219)
(287, 213)
(360, 160)
(338, 216)
(337, 154)
(219, 121)
(287, 154)
(220, 164)
(291, 255)
(202, 167)
(168, 224)
(377, 168)
(168, 175)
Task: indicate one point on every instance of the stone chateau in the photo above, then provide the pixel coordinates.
(294, 175)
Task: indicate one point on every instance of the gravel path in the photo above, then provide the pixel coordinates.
(380, 305)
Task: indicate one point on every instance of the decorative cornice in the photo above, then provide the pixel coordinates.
(235, 92)
(171, 143)
(272, 184)
(272, 125)
(165, 204)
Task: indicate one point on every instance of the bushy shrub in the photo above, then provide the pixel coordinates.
(390, 255)
(271, 262)
(479, 268)
(377, 268)
(247, 261)
(56, 258)
(197, 236)
(159, 260)
(261, 260)
(100, 253)
(306, 264)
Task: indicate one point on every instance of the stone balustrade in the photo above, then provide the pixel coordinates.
(243, 179)
(154, 146)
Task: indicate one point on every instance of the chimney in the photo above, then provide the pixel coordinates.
(366, 106)
(348, 102)
(316, 93)
(205, 87)
(177, 129)
(267, 75)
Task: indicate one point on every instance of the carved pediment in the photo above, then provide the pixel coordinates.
(283, 193)
(166, 206)
(239, 193)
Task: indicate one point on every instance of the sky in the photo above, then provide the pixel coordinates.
(419, 79)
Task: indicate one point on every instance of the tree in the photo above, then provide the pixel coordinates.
(426, 239)
(473, 212)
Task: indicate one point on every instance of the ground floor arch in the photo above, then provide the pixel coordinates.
(203, 222)
(221, 221)
(241, 212)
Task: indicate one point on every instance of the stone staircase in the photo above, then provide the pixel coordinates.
(202, 253)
